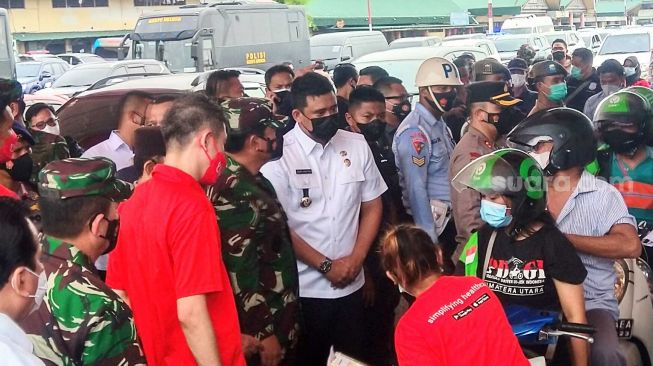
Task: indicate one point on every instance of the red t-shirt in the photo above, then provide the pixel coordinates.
(458, 321)
(6, 192)
(169, 248)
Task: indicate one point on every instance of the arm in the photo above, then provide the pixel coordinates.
(197, 326)
(620, 242)
(304, 252)
(572, 302)
(370, 220)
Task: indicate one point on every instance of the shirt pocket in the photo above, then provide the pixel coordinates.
(349, 184)
(438, 153)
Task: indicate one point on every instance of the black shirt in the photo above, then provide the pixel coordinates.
(522, 272)
(590, 86)
(343, 107)
(528, 98)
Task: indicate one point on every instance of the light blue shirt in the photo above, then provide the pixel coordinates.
(423, 146)
(592, 210)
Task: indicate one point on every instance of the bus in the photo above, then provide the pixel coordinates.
(7, 55)
(195, 38)
(107, 47)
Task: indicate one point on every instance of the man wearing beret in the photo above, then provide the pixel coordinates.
(256, 248)
(486, 100)
(81, 320)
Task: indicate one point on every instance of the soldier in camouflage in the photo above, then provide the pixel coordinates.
(256, 244)
(49, 146)
(81, 320)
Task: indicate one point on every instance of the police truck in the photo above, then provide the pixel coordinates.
(197, 38)
(7, 55)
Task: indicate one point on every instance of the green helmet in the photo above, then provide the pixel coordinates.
(622, 110)
(511, 173)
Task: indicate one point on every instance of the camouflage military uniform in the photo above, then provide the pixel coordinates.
(81, 321)
(256, 242)
(48, 147)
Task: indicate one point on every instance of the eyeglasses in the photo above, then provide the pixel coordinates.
(49, 122)
(400, 98)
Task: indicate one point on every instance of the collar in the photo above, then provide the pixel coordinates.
(307, 143)
(426, 115)
(11, 332)
(66, 251)
(587, 183)
(480, 136)
(115, 142)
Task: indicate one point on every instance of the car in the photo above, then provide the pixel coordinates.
(509, 44)
(35, 56)
(466, 36)
(90, 116)
(80, 58)
(404, 62)
(484, 44)
(334, 48)
(83, 76)
(37, 75)
(55, 101)
(593, 38)
(415, 42)
(618, 45)
(574, 39)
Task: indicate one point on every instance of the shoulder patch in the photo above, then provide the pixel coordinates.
(418, 140)
(419, 161)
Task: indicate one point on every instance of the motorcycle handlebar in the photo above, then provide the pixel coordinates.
(575, 328)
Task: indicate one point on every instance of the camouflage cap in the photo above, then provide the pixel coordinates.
(11, 88)
(245, 114)
(69, 178)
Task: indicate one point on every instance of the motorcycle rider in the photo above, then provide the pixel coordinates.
(590, 212)
(521, 235)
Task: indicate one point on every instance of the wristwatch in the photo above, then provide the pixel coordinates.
(325, 266)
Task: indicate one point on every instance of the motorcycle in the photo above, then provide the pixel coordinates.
(634, 291)
(540, 329)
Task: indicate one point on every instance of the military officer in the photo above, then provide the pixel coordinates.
(81, 320)
(548, 79)
(256, 248)
(423, 145)
(486, 100)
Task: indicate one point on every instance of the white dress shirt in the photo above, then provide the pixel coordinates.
(15, 347)
(338, 178)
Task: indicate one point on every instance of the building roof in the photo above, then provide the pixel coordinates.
(499, 7)
(25, 37)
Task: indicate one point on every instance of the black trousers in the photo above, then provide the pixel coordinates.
(331, 322)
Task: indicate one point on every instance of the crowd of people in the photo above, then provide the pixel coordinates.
(218, 229)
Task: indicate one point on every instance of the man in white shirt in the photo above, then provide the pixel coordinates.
(22, 282)
(330, 188)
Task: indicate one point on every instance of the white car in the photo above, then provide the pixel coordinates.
(621, 44)
(483, 43)
(403, 63)
(573, 39)
(415, 42)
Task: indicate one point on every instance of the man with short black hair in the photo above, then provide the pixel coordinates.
(14, 90)
(169, 248)
(345, 79)
(559, 53)
(157, 109)
(149, 151)
(331, 189)
(397, 103)
(583, 81)
(224, 84)
(613, 78)
(49, 145)
(278, 82)
(371, 74)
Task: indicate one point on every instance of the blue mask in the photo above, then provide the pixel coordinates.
(495, 214)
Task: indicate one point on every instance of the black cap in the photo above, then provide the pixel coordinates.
(611, 66)
(547, 68)
(21, 131)
(495, 92)
(490, 66)
(12, 89)
(518, 63)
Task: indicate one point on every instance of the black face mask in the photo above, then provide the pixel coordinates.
(275, 153)
(324, 128)
(508, 120)
(285, 103)
(21, 170)
(111, 235)
(372, 130)
(558, 55)
(622, 142)
(444, 100)
(402, 110)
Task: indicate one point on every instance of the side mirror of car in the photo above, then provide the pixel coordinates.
(45, 75)
(345, 58)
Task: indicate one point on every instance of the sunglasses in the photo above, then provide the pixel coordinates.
(49, 122)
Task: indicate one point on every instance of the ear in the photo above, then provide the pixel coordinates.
(18, 280)
(149, 167)
(391, 277)
(96, 225)
(351, 122)
(439, 255)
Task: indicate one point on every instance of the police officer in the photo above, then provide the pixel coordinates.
(81, 321)
(583, 81)
(518, 69)
(422, 148)
(548, 79)
(486, 100)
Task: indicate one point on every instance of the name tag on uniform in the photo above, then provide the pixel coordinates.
(304, 171)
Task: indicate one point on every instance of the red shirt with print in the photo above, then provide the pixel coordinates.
(457, 321)
(169, 248)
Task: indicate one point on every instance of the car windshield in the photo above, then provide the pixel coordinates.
(626, 44)
(510, 44)
(325, 53)
(82, 77)
(402, 69)
(552, 37)
(27, 70)
(174, 54)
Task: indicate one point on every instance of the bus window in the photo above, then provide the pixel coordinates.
(207, 53)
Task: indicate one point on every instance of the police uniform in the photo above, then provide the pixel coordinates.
(582, 90)
(256, 244)
(466, 204)
(81, 320)
(540, 70)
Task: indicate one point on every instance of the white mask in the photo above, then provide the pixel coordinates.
(630, 71)
(53, 130)
(518, 80)
(609, 89)
(40, 290)
(541, 158)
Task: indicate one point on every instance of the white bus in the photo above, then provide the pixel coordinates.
(7, 56)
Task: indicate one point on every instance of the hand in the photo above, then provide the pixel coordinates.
(305, 70)
(338, 275)
(272, 97)
(353, 265)
(369, 290)
(250, 344)
(271, 353)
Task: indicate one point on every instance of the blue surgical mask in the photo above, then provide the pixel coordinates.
(495, 214)
(576, 73)
(557, 92)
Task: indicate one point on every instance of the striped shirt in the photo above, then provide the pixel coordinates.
(592, 210)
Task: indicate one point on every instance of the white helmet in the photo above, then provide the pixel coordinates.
(437, 71)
